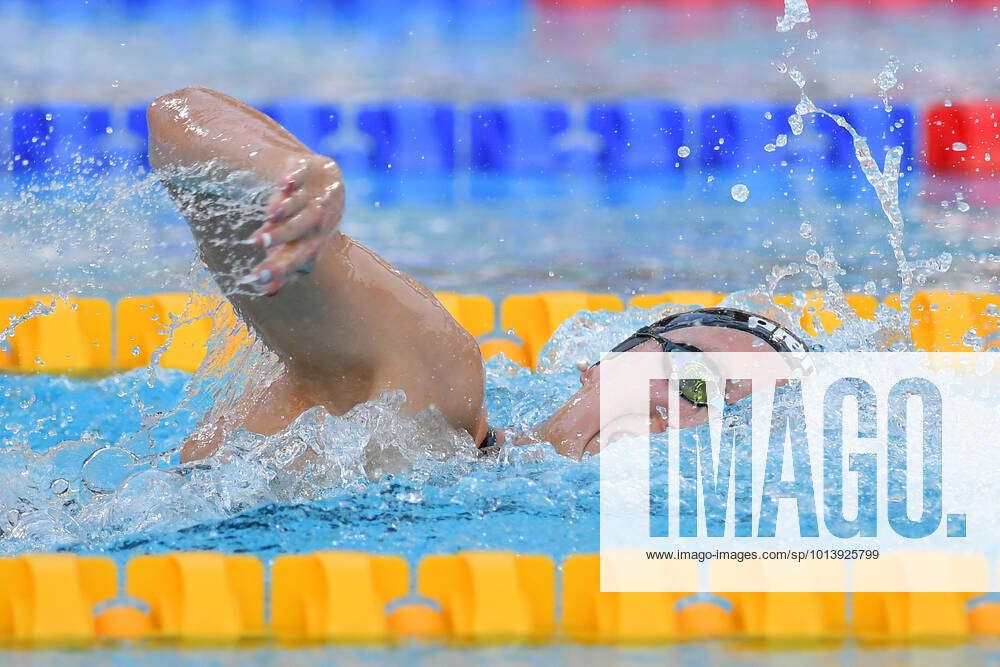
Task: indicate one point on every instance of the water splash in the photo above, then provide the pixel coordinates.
(88, 492)
(886, 80)
(891, 330)
(37, 309)
(123, 477)
(796, 11)
(885, 183)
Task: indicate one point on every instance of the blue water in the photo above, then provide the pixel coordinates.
(378, 480)
(530, 500)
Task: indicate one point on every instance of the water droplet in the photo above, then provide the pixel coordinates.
(886, 80)
(811, 34)
(959, 146)
(105, 469)
(115, 83)
(962, 206)
(796, 11)
(766, 243)
(781, 140)
(683, 151)
(769, 148)
(918, 67)
(59, 486)
(796, 75)
(135, 351)
(795, 123)
(768, 115)
(740, 192)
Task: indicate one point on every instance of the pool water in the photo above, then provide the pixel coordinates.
(522, 235)
(379, 481)
(90, 465)
(376, 481)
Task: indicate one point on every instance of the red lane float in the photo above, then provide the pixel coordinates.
(963, 138)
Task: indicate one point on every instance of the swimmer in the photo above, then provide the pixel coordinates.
(345, 323)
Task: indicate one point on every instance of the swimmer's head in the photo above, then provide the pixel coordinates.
(575, 426)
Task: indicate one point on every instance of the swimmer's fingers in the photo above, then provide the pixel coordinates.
(289, 185)
(296, 177)
(289, 204)
(305, 223)
(286, 264)
(296, 259)
(297, 199)
(279, 215)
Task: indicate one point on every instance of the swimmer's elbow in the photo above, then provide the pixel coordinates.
(169, 116)
(170, 107)
(162, 117)
(168, 110)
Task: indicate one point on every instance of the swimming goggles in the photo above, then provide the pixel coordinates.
(693, 390)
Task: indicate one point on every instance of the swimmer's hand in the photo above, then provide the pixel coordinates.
(301, 217)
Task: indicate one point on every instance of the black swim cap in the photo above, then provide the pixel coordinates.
(777, 336)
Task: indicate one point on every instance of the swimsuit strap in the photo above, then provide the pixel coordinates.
(650, 333)
(490, 440)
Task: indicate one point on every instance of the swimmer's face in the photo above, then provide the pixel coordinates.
(575, 426)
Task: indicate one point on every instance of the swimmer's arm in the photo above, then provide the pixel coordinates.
(194, 127)
(353, 327)
(214, 153)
